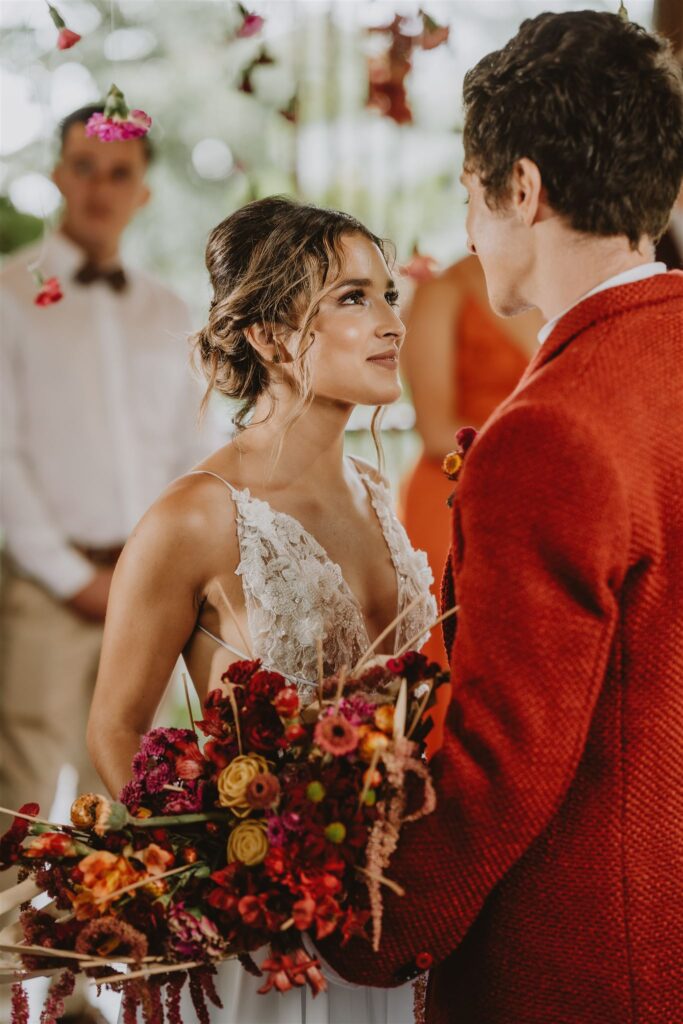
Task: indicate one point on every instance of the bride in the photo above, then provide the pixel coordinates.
(277, 541)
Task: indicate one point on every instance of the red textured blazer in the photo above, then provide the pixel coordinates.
(548, 884)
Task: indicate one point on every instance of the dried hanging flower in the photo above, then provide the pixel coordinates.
(246, 84)
(387, 71)
(49, 290)
(65, 38)
(419, 268)
(251, 23)
(118, 123)
(433, 34)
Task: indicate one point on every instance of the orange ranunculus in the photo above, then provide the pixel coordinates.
(155, 859)
(105, 873)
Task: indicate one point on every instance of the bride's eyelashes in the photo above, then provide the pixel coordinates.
(358, 296)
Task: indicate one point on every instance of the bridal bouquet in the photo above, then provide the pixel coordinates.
(275, 831)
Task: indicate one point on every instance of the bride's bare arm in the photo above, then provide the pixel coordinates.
(155, 597)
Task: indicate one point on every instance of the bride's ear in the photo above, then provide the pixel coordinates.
(269, 346)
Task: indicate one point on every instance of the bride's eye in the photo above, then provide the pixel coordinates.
(392, 297)
(355, 297)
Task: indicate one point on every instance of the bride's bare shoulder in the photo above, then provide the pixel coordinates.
(193, 521)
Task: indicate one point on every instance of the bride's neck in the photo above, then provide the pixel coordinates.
(311, 448)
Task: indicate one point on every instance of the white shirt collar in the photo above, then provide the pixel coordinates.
(639, 273)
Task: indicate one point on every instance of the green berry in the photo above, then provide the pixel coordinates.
(370, 798)
(315, 791)
(336, 832)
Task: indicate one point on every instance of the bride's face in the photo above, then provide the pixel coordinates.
(358, 333)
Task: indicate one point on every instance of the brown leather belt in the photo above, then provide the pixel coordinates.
(99, 556)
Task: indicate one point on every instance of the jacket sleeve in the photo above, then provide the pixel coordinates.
(541, 547)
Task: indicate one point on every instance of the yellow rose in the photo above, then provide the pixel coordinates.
(234, 779)
(248, 843)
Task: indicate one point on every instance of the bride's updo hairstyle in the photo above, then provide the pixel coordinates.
(270, 263)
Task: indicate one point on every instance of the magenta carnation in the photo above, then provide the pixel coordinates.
(115, 129)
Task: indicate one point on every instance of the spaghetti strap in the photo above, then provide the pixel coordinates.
(209, 472)
(223, 643)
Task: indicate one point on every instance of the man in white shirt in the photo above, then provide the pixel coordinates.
(99, 413)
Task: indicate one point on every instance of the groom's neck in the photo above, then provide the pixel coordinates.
(572, 266)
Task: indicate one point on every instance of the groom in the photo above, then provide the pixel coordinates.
(547, 888)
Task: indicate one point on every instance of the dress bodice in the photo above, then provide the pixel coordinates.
(295, 595)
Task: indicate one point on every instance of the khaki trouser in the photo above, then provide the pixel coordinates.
(48, 665)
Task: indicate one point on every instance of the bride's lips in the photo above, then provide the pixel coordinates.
(387, 359)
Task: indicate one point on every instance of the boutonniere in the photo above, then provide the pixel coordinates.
(454, 461)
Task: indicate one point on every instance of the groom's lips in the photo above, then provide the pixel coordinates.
(387, 359)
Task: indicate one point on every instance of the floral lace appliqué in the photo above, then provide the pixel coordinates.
(295, 594)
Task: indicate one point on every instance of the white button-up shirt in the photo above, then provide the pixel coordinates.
(98, 411)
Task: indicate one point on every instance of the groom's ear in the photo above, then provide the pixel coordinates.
(528, 196)
(268, 342)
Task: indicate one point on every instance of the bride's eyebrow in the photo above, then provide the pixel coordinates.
(361, 282)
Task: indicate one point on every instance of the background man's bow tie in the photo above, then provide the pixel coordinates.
(90, 272)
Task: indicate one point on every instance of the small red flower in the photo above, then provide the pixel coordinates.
(49, 291)
(10, 843)
(66, 39)
(251, 24)
(424, 961)
(287, 702)
(295, 733)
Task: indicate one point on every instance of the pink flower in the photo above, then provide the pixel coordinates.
(117, 129)
(50, 291)
(66, 39)
(335, 735)
(251, 26)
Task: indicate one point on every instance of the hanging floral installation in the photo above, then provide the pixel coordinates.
(387, 71)
(118, 123)
(251, 23)
(65, 37)
(419, 267)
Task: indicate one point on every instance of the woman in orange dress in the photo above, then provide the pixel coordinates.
(460, 361)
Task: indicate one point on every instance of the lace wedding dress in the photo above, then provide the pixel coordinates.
(295, 594)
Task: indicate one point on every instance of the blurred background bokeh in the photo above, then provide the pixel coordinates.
(286, 110)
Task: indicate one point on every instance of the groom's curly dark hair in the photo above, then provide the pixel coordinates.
(597, 103)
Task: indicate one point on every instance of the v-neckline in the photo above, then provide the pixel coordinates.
(322, 552)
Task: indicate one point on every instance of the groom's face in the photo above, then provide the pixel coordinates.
(503, 245)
